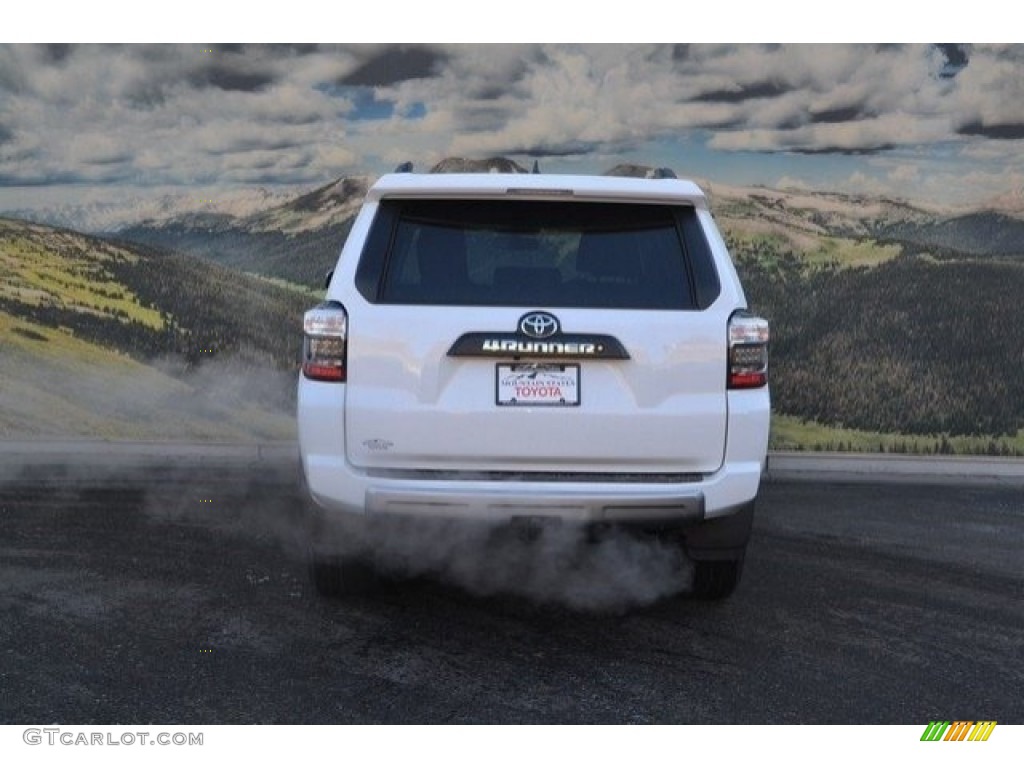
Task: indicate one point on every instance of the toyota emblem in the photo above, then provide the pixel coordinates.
(538, 325)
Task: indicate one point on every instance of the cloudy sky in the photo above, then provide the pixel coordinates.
(940, 123)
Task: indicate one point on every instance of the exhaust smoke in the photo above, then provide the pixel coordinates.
(611, 570)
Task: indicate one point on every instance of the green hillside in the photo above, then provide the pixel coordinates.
(302, 258)
(119, 341)
(920, 349)
(891, 325)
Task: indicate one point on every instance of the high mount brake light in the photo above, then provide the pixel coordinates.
(748, 351)
(539, 192)
(324, 346)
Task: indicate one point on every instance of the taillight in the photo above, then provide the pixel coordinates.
(748, 351)
(325, 329)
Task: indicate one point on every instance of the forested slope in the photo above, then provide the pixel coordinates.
(914, 345)
(116, 340)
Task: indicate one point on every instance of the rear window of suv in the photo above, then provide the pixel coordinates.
(549, 253)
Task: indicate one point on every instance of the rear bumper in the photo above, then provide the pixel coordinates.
(502, 503)
(340, 490)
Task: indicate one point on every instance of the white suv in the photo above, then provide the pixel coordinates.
(501, 347)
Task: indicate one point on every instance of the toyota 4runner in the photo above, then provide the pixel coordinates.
(499, 347)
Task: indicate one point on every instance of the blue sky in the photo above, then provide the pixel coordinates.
(924, 122)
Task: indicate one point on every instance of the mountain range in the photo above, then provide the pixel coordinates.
(297, 240)
(296, 235)
(799, 216)
(887, 316)
(122, 209)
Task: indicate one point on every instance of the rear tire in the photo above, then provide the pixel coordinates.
(716, 579)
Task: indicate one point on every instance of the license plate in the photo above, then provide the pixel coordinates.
(538, 384)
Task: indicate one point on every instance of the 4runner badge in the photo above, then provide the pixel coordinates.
(538, 334)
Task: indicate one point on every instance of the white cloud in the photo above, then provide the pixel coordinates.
(156, 115)
(905, 174)
(991, 89)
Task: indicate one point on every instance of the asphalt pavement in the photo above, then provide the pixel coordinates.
(167, 585)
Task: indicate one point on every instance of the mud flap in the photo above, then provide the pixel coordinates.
(722, 538)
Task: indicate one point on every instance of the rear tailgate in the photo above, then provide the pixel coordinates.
(412, 405)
